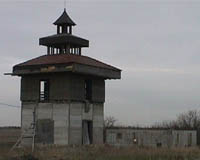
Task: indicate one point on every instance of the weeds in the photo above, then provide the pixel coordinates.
(100, 153)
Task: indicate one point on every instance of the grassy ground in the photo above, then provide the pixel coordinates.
(99, 153)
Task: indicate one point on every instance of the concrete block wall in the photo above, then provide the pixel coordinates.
(76, 123)
(150, 138)
(27, 115)
(61, 123)
(67, 118)
(59, 113)
(87, 111)
(44, 111)
(154, 138)
(183, 138)
(98, 118)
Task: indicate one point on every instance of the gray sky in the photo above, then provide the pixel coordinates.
(155, 43)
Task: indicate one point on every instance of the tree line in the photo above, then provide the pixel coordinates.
(188, 120)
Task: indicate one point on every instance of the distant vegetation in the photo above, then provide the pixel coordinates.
(189, 120)
(100, 153)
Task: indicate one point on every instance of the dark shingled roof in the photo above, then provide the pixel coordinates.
(65, 59)
(64, 19)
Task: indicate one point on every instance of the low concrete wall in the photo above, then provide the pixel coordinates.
(185, 138)
(151, 137)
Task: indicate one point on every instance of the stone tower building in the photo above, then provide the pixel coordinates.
(63, 92)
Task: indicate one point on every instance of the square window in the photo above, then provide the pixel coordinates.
(119, 136)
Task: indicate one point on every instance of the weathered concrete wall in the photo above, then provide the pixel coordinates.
(59, 113)
(149, 138)
(98, 118)
(61, 123)
(27, 120)
(44, 114)
(44, 111)
(27, 114)
(87, 111)
(45, 131)
(76, 123)
(155, 138)
(184, 138)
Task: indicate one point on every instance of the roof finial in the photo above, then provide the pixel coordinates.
(64, 5)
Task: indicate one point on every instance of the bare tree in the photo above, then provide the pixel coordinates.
(109, 121)
(187, 120)
(165, 125)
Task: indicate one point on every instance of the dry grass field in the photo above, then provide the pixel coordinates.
(8, 136)
(99, 153)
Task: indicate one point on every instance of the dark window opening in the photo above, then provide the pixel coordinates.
(177, 139)
(88, 89)
(189, 139)
(159, 145)
(119, 136)
(44, 90)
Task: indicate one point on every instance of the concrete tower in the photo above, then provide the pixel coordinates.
(63, 92)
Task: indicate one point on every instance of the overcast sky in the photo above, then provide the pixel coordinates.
(155, 43)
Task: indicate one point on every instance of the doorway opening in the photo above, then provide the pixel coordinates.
(87, 130)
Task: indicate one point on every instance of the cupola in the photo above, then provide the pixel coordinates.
(64, 42)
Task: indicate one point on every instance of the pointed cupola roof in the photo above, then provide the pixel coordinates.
(64, 19)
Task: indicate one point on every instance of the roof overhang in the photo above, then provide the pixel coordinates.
(58, 39)
(64, 68)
